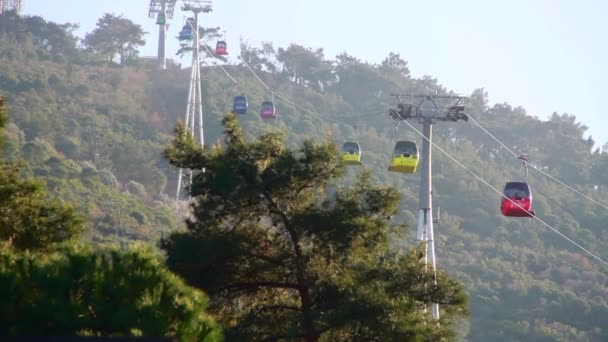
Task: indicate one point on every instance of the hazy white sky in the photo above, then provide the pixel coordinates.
(543, 55)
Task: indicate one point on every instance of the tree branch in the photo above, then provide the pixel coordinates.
(253, 285)
(283, 307)
(267, 259)
(283, 337)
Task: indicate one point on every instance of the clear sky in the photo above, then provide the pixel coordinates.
(544, 55)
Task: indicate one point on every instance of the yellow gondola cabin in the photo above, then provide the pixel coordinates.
(351, 153)
(405, 157)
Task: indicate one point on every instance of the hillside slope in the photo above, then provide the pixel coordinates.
(95, 132)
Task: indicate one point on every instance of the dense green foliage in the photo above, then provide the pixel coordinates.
(115, 35)
(78, 291)
(282, 260)
(29, 218)
(90, 128)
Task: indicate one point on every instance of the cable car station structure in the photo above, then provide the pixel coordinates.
(412, 107)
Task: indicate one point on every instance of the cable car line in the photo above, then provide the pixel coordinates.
(268, 110)
(310, 110)
(536, 168)
(289, 101)
(274, 93)
(595, 256)
(352, 150)
(404, 158)
(555, 230)
(224, 70)
(356, 150)
(240, 104)
(254, 74)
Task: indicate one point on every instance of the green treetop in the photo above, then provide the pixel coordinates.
(115, 35)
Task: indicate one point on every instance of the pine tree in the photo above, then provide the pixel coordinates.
(82, 291)
(286, 254)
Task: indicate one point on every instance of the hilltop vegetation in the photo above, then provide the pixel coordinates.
(95, 130)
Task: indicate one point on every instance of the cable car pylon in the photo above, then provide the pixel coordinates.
(194, 108)
(414, 109)
(162, 10)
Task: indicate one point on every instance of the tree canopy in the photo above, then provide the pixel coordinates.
(29, 218)
(78, 291)
(115, 35)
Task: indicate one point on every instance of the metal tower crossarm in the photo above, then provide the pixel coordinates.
(197, 6)
(414, 107)
(426, 110)
(11, 5)
(160, 6)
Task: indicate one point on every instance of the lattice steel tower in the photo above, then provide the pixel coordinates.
(11, 5)
(194, 109)
(414, 109)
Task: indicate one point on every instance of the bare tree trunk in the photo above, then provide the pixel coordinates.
(310, 333)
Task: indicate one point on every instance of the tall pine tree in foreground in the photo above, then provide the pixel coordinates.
(285, 255)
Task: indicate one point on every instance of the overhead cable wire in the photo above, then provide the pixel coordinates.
(256, 75)
(555, 230)
(227, 74)
(595, 256)
(290, 101)
(222, 67)
(275, 93)
(536, 168)
(310, 111)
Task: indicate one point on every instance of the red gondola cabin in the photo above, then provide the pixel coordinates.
(268, 110)
(519, 202)
(221, 48)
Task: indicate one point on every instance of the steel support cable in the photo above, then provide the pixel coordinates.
(311, 111)
(536, 168)
(227, 74)
(595, 256)
(555, 230)
(254, 74)
(279, 95)
(219, 65)
(453, 159)
(283, 98)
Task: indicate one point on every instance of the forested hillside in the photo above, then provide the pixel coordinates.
(95, 130)
(84, 126)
